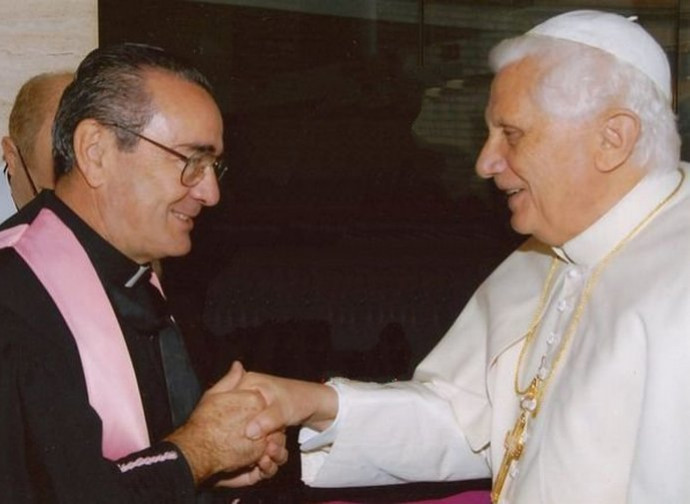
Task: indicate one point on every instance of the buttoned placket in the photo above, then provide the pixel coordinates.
(549, 340)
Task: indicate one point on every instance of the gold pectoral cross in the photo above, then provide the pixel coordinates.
(515, 439)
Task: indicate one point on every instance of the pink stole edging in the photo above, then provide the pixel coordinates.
(58, 260)
(469, 497)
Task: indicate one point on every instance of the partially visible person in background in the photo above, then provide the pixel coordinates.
(27, 150)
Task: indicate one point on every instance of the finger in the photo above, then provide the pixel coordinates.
(231, 379)
(266, 422)
(278, 453)
(267, 468)
(248, 478)
(277, 438)
(275, 448)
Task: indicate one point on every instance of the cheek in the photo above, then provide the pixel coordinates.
(127, 201)
(527, 163)
(156, 193)
(543, 165)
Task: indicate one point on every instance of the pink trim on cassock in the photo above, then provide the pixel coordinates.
(470, 497)
(56, 257)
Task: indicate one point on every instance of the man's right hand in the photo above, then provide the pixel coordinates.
(213, 439)
(289, 402)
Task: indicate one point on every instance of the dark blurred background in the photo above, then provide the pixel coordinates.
(351, 229)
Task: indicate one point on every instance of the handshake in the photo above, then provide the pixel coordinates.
(236, 432)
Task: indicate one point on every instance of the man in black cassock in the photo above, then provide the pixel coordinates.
(99, 401)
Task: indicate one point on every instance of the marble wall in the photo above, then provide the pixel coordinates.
(38, 36)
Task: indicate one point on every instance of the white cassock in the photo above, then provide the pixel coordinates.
(614, 423)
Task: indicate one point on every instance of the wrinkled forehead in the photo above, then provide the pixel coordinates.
(184, 109)
(513, 88)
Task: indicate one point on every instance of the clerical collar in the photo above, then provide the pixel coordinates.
(135, 278)
(590, 246)
(111, 265)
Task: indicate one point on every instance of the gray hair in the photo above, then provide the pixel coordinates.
(110, 87)
(578, 81)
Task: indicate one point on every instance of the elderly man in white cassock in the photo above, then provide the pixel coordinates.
(566, 377)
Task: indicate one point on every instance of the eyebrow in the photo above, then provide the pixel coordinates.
(500, 123)
(201, 148)
(503, 125)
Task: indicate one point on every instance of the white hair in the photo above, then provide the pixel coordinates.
(579, 81)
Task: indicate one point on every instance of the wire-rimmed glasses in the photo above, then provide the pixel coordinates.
(194, 166)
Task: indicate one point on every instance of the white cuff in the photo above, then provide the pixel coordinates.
(311, 439)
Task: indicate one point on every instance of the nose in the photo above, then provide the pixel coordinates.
(206, 191)
(491, 160)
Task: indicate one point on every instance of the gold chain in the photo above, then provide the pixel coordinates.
(534, 325)
(535, 390)
(572, 326)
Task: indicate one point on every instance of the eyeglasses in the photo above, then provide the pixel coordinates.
(194, 166)
(34, 190)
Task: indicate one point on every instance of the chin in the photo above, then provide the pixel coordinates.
(178, 249)
(520, 227)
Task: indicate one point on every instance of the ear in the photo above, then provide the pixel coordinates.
(9, 152)
(91, 142)
(618, 135)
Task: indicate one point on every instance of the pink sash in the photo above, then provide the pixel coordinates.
(470, 497)
(58, 260)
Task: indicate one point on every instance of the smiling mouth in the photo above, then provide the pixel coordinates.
(182, 217)
(512, 192)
